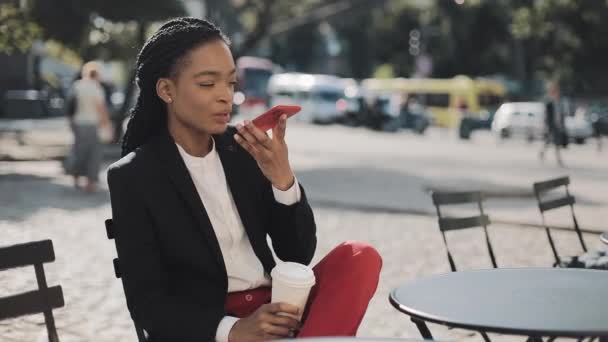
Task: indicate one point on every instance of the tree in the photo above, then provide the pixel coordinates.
(472, 38)
(17, 31)
(564, 39)
(86, 19)
(525, 40)
(82, 18)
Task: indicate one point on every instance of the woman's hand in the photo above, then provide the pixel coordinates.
(270, 153)
(265, 324)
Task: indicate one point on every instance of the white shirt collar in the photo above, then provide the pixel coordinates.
(199, 162)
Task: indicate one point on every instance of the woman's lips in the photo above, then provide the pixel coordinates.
(224, 117)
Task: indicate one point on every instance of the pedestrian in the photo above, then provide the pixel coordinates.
(88, 115)
(554, 120)
(194, 201)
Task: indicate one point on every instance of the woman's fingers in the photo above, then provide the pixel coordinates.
(278, 330)
(247, 146)
(278, 131)
(254, 135)
(272, 337)
(273, 321)
(284, 321)
(244, 133)
(282, 307)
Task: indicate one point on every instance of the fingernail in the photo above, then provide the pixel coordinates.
(236, 137)
(247, 123)
(239, 127)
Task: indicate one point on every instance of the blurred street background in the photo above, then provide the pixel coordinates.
(400, 98)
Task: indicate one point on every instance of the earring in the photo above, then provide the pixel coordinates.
(169, 100)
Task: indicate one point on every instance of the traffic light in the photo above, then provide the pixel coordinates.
(414, 42)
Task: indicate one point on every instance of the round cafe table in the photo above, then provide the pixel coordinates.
(535, 302)
(351, 339)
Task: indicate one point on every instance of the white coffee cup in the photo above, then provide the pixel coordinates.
(291, 283)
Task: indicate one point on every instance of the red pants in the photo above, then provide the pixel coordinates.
(346, 280)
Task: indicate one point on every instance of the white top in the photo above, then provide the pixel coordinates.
(244, 269)
(89, 94)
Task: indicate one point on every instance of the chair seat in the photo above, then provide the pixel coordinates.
(597, 260)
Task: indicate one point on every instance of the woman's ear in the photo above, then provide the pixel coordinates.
(164, 90)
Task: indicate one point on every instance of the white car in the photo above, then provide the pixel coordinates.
(322, 97)
(527, 119)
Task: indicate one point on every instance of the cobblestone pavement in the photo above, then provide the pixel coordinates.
(36, 203)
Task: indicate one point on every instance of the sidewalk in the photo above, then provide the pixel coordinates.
(383, 179)
(43, 205)
(354, 168)
(361, 188)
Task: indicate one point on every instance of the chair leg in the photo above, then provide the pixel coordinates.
(534, 339)
(485, 336)
(49, 321)
(423, 329)
(50, 326)
(552, 245)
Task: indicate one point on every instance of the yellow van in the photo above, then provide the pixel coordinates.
(443, 97)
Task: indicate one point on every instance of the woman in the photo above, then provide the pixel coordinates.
(193, 201)
(90, 113)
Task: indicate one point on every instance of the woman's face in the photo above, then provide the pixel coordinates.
(201, 91)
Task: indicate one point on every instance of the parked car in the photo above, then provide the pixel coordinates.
(321, 97)
(415, 117)
(527, 119)
(31, 111)
(599, 122)
(578, 129)
(468, 124)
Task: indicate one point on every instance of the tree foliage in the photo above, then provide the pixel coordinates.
(17, 31)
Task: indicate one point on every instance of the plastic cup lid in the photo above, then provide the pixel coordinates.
(293, 274)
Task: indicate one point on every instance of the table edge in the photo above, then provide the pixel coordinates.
(501, 330)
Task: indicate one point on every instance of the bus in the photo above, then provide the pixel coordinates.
(253, 74)
(444, 98)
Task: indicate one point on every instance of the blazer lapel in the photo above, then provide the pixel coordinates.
(180, 177)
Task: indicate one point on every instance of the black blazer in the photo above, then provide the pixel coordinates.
(173, 269)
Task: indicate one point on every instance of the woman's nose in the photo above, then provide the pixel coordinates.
(226, 94)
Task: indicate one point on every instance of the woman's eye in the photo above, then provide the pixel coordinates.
(206, 84)
(233, 83)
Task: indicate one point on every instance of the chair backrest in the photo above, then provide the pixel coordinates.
(540, 190)
(455, 223)
(43, 300)
(142, 336)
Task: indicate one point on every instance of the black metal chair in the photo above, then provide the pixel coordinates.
(142, 336)
(447, 223)
(452, 223)
(541, 189)
(43, 300)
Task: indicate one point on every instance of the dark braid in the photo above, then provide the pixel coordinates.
(162, 56)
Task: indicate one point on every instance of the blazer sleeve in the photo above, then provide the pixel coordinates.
(292, 228)
(164, 316)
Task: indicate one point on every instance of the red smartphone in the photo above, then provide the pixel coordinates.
(270, 118)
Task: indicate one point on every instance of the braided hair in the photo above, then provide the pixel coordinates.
(161, 56)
